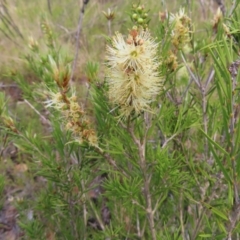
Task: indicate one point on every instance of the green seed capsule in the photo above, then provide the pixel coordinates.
(145, 15)
(135, 16)
(139, 9)
(140, 20)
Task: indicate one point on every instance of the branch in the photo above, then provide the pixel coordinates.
(168, 140)
(234, 6)
(233, 218)
(110, 160)
(49, 6)
(85, 2)
(233, 221)
(181, 214)
(99, 220)
(195, 79)
(38, 113)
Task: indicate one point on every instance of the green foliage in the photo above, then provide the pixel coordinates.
(169, 173)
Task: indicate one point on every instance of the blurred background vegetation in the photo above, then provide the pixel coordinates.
(20, 20)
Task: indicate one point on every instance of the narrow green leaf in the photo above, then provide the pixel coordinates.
(216, 211)
(205, 235)
(214, 143)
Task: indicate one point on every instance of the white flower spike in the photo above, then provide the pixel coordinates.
(132, 75)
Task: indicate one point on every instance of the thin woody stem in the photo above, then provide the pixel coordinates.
(141, 152)
(110, 160)
(235, 214)
(181, 215)
(79, 28)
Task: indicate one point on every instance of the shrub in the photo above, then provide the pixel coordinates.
(152, 152)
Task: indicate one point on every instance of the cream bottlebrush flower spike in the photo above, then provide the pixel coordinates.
(132, 74)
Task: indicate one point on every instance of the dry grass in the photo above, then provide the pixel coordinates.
(23, 18)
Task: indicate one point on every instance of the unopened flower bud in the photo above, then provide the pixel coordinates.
(33, 44)
(109, 14)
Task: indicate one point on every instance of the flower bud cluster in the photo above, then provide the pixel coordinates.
(171, 62)
(140, 16)
(218, 17)
(110, 15)
(60, 73)
(181, 30)
(9, 123)
(33, 44)
(78, 123)
(74, 115)
(218, 21)
(47, 33)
